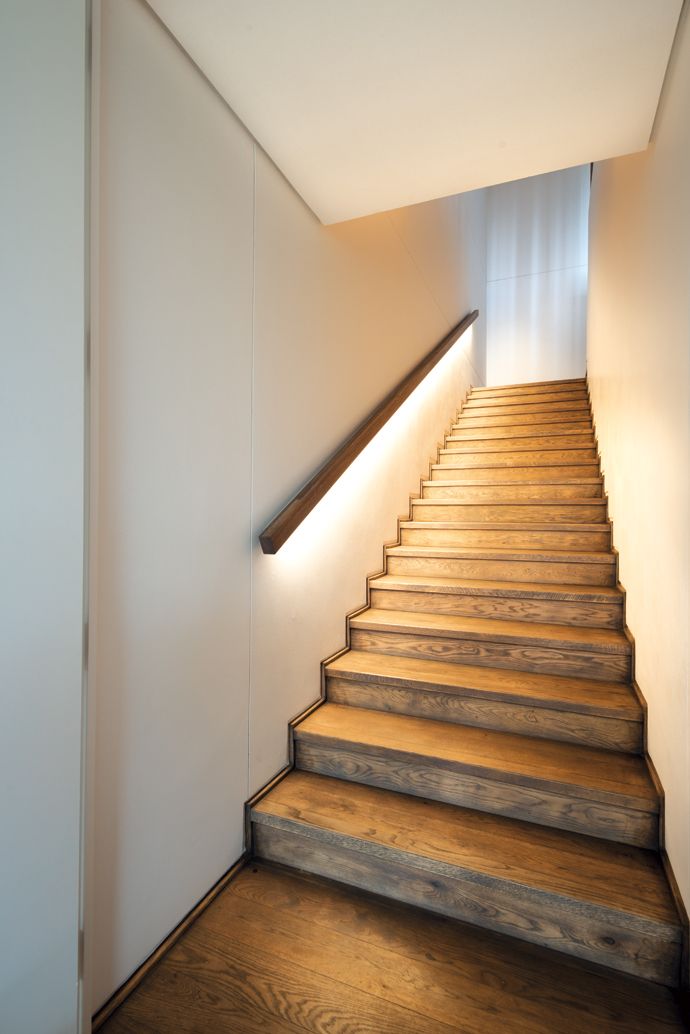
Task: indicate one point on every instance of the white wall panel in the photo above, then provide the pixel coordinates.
(43, 87)
(172, 507)
(537, 277)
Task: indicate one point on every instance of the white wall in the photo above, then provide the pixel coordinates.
(240, 341)
(639, 373)
(42, 334)
(172, 500)
(537, 277)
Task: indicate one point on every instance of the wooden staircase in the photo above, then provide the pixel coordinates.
(479, 750)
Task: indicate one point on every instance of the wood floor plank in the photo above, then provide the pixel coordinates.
(343, 941)
(540, 984)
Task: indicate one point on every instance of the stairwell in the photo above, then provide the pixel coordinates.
(480, 748)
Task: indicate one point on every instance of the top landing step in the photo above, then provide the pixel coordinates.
(532, 386)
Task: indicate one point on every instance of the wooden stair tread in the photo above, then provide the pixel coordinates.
(573, 637)
(585, 772)
(557, 430)
(545, 398)
(478, 419)
(444, 837)
(461, 457)
(510, 526)
(590, 477)
(515, 502)
(581, 695)
(487, 587)
(441, 482)
(502, 552)
(522, 448)
(568, 381)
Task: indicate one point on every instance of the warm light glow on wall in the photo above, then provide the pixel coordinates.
(347, 499)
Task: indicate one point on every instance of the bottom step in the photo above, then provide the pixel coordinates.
(598, 901)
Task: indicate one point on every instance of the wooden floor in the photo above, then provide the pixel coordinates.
(281, 951)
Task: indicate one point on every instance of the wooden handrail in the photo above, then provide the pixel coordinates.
(292, 515)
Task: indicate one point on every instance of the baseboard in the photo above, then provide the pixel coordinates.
(123, 992)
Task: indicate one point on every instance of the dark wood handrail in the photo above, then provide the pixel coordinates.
(292, 515)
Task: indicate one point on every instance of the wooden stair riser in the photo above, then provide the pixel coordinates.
(483, 605)
(544, 572)
(454, 465)
(480, 790)
(448, 489)
(605, 937)
(469, 442)
(524, 538)
(548, 410)
(521, 457)
(571, 395)
(473, 419)
(430, 701)
(589, 512)
(548, 660)
(573, 429)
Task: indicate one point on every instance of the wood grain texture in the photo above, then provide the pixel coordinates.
(497, 472)
(490, 793)
(588, 774)
(578, 695)
(516, 491)
(579, 394)
(555, 428)
(522, 420)
(543, 438)
(652, 953)
(518, 657)
(526, 607)
(518, 877)
(586, 538)
(292, 515)
(560, 384)
(433, 970)
(520, 409)
(456, 562)
(521, 457)
(585, 511)
(425, 699)
(491, 676)
(442, 837)
(599, 640)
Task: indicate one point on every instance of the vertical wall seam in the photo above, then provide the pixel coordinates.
(251, 544)
(83, 996)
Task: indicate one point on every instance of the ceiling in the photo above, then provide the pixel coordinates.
(368, 105)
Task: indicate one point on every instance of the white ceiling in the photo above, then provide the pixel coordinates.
(368, 105)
